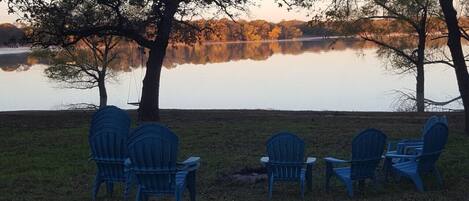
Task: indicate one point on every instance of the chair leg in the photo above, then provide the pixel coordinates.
(109, 188)
(271, 183)
(302, 189)
(349, 185)
(328, 175)
(309, 177)
(387, 168)
(191, 185)
(128, 186)
(96, 184)
(179, 193)
(418, 182)
(139, 196)
(438, 177)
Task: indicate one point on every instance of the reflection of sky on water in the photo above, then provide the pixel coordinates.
(331, 80)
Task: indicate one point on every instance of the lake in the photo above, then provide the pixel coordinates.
(311, 74)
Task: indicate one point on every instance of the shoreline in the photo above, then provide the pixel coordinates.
(241, 110)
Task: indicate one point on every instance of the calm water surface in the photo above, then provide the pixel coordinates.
(302, 75)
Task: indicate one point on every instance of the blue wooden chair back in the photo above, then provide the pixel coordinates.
(433, 120)
(367, 151)
(153, 151)
(108, 149)
(112, 116)
(108, 143)
(434, 142)
(109, 109)
(286, 156)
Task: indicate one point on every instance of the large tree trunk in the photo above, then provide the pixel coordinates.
(149, 103)
(102, 93)
(454, 44)
(420, 88)
(420, 96)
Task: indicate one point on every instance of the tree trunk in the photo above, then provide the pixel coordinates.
(420, 88)
(149, 103)
(454, 44)
(102, 93)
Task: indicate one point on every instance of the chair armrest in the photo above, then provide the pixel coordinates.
(310, 160)
(190, 164)
(335, 160)
(390, 152)
(413, 140)
(264, 160)
(181, 179)
(400, 156)
(191, 160)
(409, 148)
(396, 144)
(410, 144)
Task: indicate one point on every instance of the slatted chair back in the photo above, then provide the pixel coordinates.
(153, 151)
(110, 115)
(434, 142)
(433, 120)
(108, 143)
(367, 151)
(286, 156)
(109, 109)
(108, 149)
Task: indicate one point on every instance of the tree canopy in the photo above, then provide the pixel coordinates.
(61, 22)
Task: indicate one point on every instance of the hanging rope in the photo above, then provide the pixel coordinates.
(137, 86)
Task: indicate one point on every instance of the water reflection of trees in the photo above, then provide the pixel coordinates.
(226, 52)
(16, 62)
(208, 53)
(204, 53)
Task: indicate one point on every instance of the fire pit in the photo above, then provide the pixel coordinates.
(248, 175)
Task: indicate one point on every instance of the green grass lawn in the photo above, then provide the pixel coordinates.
(44, 155)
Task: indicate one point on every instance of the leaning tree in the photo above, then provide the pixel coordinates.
(152, 24)
(455, 33)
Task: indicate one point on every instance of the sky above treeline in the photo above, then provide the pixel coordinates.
(266, 10)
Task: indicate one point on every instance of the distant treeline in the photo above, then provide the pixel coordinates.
(212, 30)
(223, 30)
(256, 30)
(11, 36)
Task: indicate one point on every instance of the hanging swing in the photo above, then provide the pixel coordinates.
(134, 79)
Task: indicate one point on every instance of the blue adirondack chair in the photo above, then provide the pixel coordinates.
(110, 109)
(434, 141)
(285, 161)
(108, 144)
(367, 150)
(407, 146)
(110, 115)
(153, 151)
